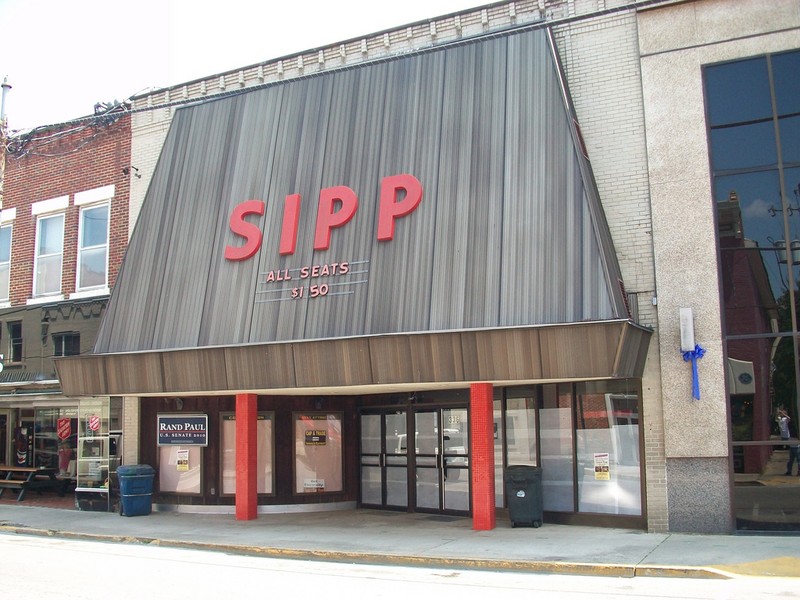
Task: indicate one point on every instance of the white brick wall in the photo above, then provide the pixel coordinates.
(130, 430)
(601, 61)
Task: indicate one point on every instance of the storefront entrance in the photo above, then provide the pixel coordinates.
(432, 476)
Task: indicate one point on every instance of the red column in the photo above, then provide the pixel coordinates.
(246, 457)
(481, 427)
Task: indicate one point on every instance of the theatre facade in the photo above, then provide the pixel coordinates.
(325, 267)
(402, 236)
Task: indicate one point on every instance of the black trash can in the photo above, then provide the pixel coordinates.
(524, 495)
(135, 489)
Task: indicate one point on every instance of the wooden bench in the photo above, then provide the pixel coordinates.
(29, 478)
(11, 483)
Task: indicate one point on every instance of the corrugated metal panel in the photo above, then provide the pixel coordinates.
(508, 233)
(252, 177)
(370, 364)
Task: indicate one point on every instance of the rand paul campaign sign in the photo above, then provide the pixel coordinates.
(182, 430)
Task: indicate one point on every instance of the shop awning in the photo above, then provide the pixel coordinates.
(370, 364)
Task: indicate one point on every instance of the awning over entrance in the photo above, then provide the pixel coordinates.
(370, 364)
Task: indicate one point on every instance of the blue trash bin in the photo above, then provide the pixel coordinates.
(135, 489)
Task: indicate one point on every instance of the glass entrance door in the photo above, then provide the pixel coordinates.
(430, 476)
(384, 459)
(442, 460)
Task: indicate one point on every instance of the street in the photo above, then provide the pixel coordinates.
(44, 568)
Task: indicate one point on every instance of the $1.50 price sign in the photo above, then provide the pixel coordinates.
(314, 291)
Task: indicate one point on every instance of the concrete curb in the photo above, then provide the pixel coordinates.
(563, 568)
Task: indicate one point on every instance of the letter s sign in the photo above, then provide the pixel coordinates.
(249, 231)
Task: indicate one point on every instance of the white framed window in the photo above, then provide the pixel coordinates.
(49, 254)
(92, 271)
(5, 262)
(93, 234)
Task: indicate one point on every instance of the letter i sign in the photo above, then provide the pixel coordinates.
(94, 423)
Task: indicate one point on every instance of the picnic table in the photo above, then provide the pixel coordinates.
(30, 478)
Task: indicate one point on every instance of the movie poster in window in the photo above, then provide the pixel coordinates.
(318, 453)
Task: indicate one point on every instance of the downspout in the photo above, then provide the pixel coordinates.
(3, 137)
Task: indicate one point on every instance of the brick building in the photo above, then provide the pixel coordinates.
(63, 233)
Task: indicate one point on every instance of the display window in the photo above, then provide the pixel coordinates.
(265, 453)
(97, 448)
(180, 469)
(607, 444)
(318, 458)
(56, 439)
(181, 439)
(586, 439)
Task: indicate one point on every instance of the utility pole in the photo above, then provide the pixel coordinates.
(3, 138)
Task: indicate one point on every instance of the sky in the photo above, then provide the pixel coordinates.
(63, 56)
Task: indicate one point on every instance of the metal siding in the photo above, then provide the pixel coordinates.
(532, 162)
(352, 153)
(302, 136)
(135, 299)
(191, 247)
(227, 319)
(486, 184)
(508, 232)
(400, 270)
(467, 239)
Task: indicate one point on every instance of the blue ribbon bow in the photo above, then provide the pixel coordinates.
(693, 355)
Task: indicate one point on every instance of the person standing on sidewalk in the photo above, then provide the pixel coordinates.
(783, 426)
(794, 454)
(783, 423)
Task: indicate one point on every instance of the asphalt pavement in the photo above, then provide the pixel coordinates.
(384, 537)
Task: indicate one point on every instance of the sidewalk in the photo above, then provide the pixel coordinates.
(383, 537)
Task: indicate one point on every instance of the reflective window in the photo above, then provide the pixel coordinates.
(521, 431)
(744, 146)
(49, 255)
(585, 437)
(753, 112)
(5, 261)
(785, 69)
(55, 439)
(607, 442)
(264, 454)
(93, 247)
(724, 92)
(790, 133)
(557, 458)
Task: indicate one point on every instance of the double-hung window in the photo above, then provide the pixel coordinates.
(5, 262)
(93, 247)
(66, 344)
(49, 254)
(92, 268)
(14, 342)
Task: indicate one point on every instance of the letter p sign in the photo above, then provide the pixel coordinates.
(391, 208)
